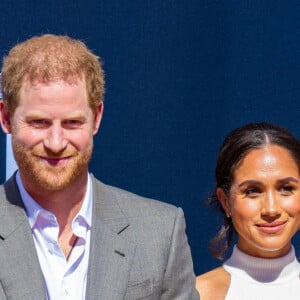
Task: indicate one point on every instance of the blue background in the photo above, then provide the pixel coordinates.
(180, 75)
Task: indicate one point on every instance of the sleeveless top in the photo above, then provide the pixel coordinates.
(262, 279)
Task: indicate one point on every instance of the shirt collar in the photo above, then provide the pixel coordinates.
(33, 209)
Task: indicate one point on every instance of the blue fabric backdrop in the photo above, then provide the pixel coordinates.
(180, 75)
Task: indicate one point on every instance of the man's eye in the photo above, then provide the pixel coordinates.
(38, 123)
(73, 123)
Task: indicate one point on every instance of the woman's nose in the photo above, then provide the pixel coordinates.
(271, 205)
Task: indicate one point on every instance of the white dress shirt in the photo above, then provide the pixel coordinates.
(65, 279)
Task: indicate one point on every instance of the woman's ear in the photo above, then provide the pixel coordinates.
(223, 198)
(5, 118)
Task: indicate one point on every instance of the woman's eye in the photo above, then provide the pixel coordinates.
(287, 189)
(252, 192)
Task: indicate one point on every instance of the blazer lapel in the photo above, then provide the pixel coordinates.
(21, 277)
(112, 248)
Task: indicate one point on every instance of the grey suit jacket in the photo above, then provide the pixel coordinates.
(139, 249)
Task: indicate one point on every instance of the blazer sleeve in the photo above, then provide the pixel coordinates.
(179, 280)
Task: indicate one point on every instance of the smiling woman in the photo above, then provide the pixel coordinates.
(258, 192)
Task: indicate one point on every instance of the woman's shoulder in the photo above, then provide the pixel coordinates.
(213, 284)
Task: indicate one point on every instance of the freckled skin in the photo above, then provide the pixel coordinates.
(52, 133)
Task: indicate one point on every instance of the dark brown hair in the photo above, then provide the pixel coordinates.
(237, 144)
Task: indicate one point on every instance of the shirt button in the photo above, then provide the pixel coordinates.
(51, 248)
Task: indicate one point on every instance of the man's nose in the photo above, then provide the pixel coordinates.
(55, 140)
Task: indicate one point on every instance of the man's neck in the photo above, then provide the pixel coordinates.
(64, 203)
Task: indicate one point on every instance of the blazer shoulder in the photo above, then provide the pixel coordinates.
(10, 194)
(131, 202)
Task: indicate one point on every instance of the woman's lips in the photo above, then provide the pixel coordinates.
(271, 228)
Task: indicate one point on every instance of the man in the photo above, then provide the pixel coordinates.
(63, 233)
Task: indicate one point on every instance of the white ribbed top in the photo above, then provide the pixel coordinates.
(262, 279)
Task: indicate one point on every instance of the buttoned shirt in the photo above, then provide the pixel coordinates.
(64, 278)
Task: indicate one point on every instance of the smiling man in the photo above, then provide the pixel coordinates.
(63, 233)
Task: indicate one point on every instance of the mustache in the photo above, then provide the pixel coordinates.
(55, 155)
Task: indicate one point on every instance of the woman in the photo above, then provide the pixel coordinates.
(258, 192)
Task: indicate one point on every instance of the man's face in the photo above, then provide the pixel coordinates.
(52, 133)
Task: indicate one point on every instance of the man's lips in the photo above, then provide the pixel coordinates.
(270, 228)
(57, 161)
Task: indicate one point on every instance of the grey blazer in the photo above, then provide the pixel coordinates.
(139, 249)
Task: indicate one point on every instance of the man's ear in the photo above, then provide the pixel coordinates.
(5, 117)
(223, 198)
(98, 117)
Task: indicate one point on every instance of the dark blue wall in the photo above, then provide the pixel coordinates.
(180, 75)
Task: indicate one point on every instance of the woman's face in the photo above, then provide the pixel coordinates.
(264, 201)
